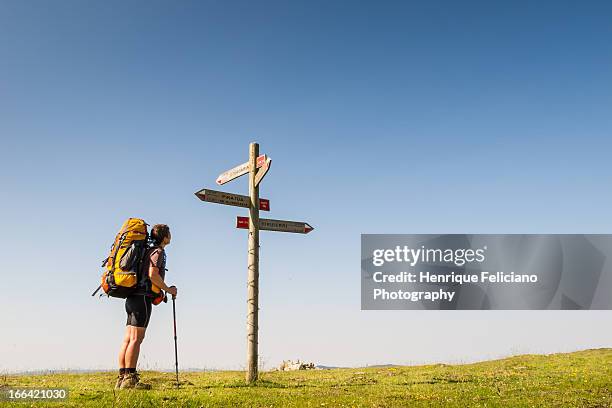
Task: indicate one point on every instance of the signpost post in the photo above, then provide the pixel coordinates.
(253, 269)
(254, 224)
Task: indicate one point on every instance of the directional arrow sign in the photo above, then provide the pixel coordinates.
(237, 200)
(262, 171)
(276, 225)
(239, 170)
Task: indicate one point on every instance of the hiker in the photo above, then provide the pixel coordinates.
(150, 291)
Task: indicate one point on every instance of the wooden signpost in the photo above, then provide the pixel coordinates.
(221, 197)
(239, 170)
(253, 223)
(262, 171)
(276, 225)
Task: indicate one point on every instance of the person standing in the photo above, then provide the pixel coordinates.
(139, 305)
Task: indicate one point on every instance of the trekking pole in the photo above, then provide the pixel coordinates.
(175, 347)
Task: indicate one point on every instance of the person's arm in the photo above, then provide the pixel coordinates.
(156, 278)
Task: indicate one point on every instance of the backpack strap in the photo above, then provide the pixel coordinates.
(144, 267)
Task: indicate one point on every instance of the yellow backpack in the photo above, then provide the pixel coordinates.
(121, 275)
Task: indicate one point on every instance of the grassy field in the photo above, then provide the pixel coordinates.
(581, 379)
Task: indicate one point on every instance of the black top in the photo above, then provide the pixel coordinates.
(153, 256)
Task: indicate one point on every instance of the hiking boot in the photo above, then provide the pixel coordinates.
(132, 380)
(119, 381)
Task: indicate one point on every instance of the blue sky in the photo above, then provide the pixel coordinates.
(393, 117)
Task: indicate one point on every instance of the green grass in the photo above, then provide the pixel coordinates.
(581, 379)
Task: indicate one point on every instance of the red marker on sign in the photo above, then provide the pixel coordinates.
(242, 222)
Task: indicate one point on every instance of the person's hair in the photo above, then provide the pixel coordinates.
(159, 232)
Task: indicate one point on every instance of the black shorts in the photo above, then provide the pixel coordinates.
(138, 309)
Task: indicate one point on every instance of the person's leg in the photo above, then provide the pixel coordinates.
(139, 312)
(136, 336)
(132, 378)
(124, 346)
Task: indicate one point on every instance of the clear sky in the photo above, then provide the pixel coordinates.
(380, 117)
